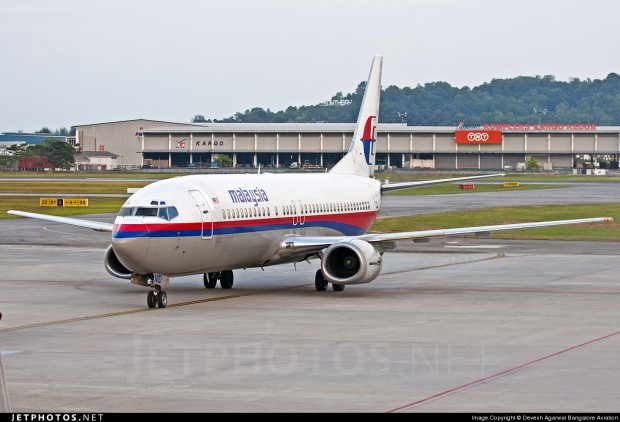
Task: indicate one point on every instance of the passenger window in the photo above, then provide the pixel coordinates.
(275, 208)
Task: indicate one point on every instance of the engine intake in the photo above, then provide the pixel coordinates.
(351, 262)
(114, 266)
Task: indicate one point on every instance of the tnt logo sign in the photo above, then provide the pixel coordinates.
(478, 137)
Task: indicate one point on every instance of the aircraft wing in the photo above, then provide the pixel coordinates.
(95, 225)
(387, 187)
(293, 244)
(482, 231)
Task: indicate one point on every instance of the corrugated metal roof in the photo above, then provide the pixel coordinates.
(135, 120)
(29, 138)
(284, 127)
(334, 127)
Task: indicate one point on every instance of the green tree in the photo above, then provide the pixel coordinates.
(17, 150)
(439, 104)
(58, 152)
(199, 118)
(223, 160)
(532, 165)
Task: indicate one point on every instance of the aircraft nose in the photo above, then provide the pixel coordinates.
(130, 241)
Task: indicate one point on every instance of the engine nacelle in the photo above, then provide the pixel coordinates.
(114, 266)
(351, 262)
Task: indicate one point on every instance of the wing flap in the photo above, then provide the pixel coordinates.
(95, 225)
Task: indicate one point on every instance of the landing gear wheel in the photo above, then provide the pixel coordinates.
(210, 280)
(319, 281)
(162, 299)
(226, 279)
(151, 299)
(338, 287)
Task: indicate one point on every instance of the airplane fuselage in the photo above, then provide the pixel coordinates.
(208, 223)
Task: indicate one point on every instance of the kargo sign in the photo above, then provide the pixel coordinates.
(478, 136)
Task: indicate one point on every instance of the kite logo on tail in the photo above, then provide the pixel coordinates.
(368, 139)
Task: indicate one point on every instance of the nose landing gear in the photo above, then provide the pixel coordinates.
(157, 297)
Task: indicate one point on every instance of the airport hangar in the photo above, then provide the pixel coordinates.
(486, 147)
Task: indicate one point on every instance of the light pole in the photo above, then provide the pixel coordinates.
(402, 117)
(540, 113)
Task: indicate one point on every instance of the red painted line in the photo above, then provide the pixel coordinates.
(499, 374)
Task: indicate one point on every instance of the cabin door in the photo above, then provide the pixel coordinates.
(205, 210)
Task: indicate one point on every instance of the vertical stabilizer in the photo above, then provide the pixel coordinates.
(360, 159)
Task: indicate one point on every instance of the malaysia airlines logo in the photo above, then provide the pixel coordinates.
(368, 139)
(255, 195)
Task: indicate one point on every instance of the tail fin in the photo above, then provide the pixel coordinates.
(360, 159)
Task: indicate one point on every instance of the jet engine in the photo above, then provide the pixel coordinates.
(351, 262)
(114, 266)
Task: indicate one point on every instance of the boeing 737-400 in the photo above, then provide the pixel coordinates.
(214, 224)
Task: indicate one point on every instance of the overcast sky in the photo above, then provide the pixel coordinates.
(69, 62)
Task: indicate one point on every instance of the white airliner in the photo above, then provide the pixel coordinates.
(214, 224)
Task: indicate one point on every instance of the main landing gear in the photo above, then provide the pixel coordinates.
(157, 297)
(226, 279)
(321, 284)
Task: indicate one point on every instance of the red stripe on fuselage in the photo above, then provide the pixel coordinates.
(358, 219)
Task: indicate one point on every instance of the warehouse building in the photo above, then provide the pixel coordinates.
(485, 147)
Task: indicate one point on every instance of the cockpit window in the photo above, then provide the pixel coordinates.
(166, 213)
(172, 213)
(145, 212)
(125, 211)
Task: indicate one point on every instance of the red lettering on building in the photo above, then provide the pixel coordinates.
(543, 126)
